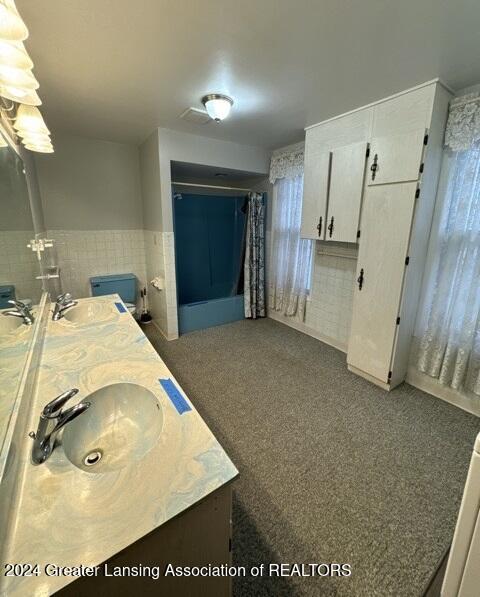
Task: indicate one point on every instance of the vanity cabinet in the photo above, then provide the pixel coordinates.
(198, 536)
(385, 203)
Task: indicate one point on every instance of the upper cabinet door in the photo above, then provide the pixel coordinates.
(347, 174)
(396, 158)
(315, 192)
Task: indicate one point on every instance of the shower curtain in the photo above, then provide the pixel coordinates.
(254, 268)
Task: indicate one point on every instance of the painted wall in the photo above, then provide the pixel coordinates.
(159, 241)
(89, 184)
(92, 208)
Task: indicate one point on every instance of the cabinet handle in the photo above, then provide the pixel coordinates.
(319, 226)
(374, 166)
(360, 280)
(330, 228)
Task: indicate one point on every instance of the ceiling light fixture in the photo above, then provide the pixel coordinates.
(217, 105)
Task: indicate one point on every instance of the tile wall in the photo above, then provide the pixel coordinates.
(160, 262)
(19, 265)
(85, 253)
(329, 310)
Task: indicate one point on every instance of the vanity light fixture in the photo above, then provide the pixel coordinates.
(14, 54)
(17, 77)
(12, 27)
(30, 120)
(20, 95)
(218, 106)
(31, 128)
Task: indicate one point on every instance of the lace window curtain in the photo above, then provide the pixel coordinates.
(450, 343)
(291, 260)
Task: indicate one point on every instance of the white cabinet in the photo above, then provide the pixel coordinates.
(321, 144)
(396, 158)
(393, 194)
(315, 192)
(385, 235)
(345, 192)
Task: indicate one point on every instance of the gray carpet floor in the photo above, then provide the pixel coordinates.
(332, 469)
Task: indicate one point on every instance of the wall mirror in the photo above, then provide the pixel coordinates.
(19, 272)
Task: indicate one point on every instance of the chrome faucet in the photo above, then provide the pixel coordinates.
(63, 302)
(52, 420)
(21, 310)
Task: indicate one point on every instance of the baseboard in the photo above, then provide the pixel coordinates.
(469, 403)
(305, 329)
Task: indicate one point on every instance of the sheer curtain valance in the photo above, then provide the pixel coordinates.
(463, 127)
(287, 163)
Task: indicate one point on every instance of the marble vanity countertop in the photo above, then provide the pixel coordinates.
(15, 345)
(69, 517)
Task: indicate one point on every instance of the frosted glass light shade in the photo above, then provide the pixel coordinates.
(13, 53)
(17, 77)
(12, 27)
(21, 95)
(40, 148)
(218, 106)
(30, 119)
(36, 140)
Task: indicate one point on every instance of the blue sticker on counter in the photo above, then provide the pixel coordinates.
(120, 307)
(173, 393)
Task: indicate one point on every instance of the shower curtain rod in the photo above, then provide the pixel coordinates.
(211, 186)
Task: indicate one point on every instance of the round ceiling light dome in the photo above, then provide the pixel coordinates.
(218, 106)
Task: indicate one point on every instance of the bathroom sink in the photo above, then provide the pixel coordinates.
(9, 324)
(90, 312)
(121, 426)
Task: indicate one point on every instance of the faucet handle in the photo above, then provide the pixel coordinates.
(51, 410)
(62, 298)
(17, 304)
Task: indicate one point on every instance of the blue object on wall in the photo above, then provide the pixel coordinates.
(123, 284)
(7, 293)
(208, 246)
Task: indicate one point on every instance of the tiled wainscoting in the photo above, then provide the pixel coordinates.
(329, 307)
(85, 253)
(329, 310)
(19, 265)
(160, 262)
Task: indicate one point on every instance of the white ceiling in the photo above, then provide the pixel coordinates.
(116, 69)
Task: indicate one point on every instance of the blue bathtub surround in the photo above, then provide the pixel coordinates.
(71, 517)
(209, 251)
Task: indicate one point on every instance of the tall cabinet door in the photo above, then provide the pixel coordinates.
(315, 194)
(396, 158)
(385, 234)
(347, 173)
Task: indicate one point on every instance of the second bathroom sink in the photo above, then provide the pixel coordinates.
(123, 424)
(90, 312)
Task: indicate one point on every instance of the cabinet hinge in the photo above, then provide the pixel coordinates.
(421, 168)
(417, 193)
(425, 140)
(398, 320)
(407, 260)
(368, 152)
(358, 233)
(389, 376)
